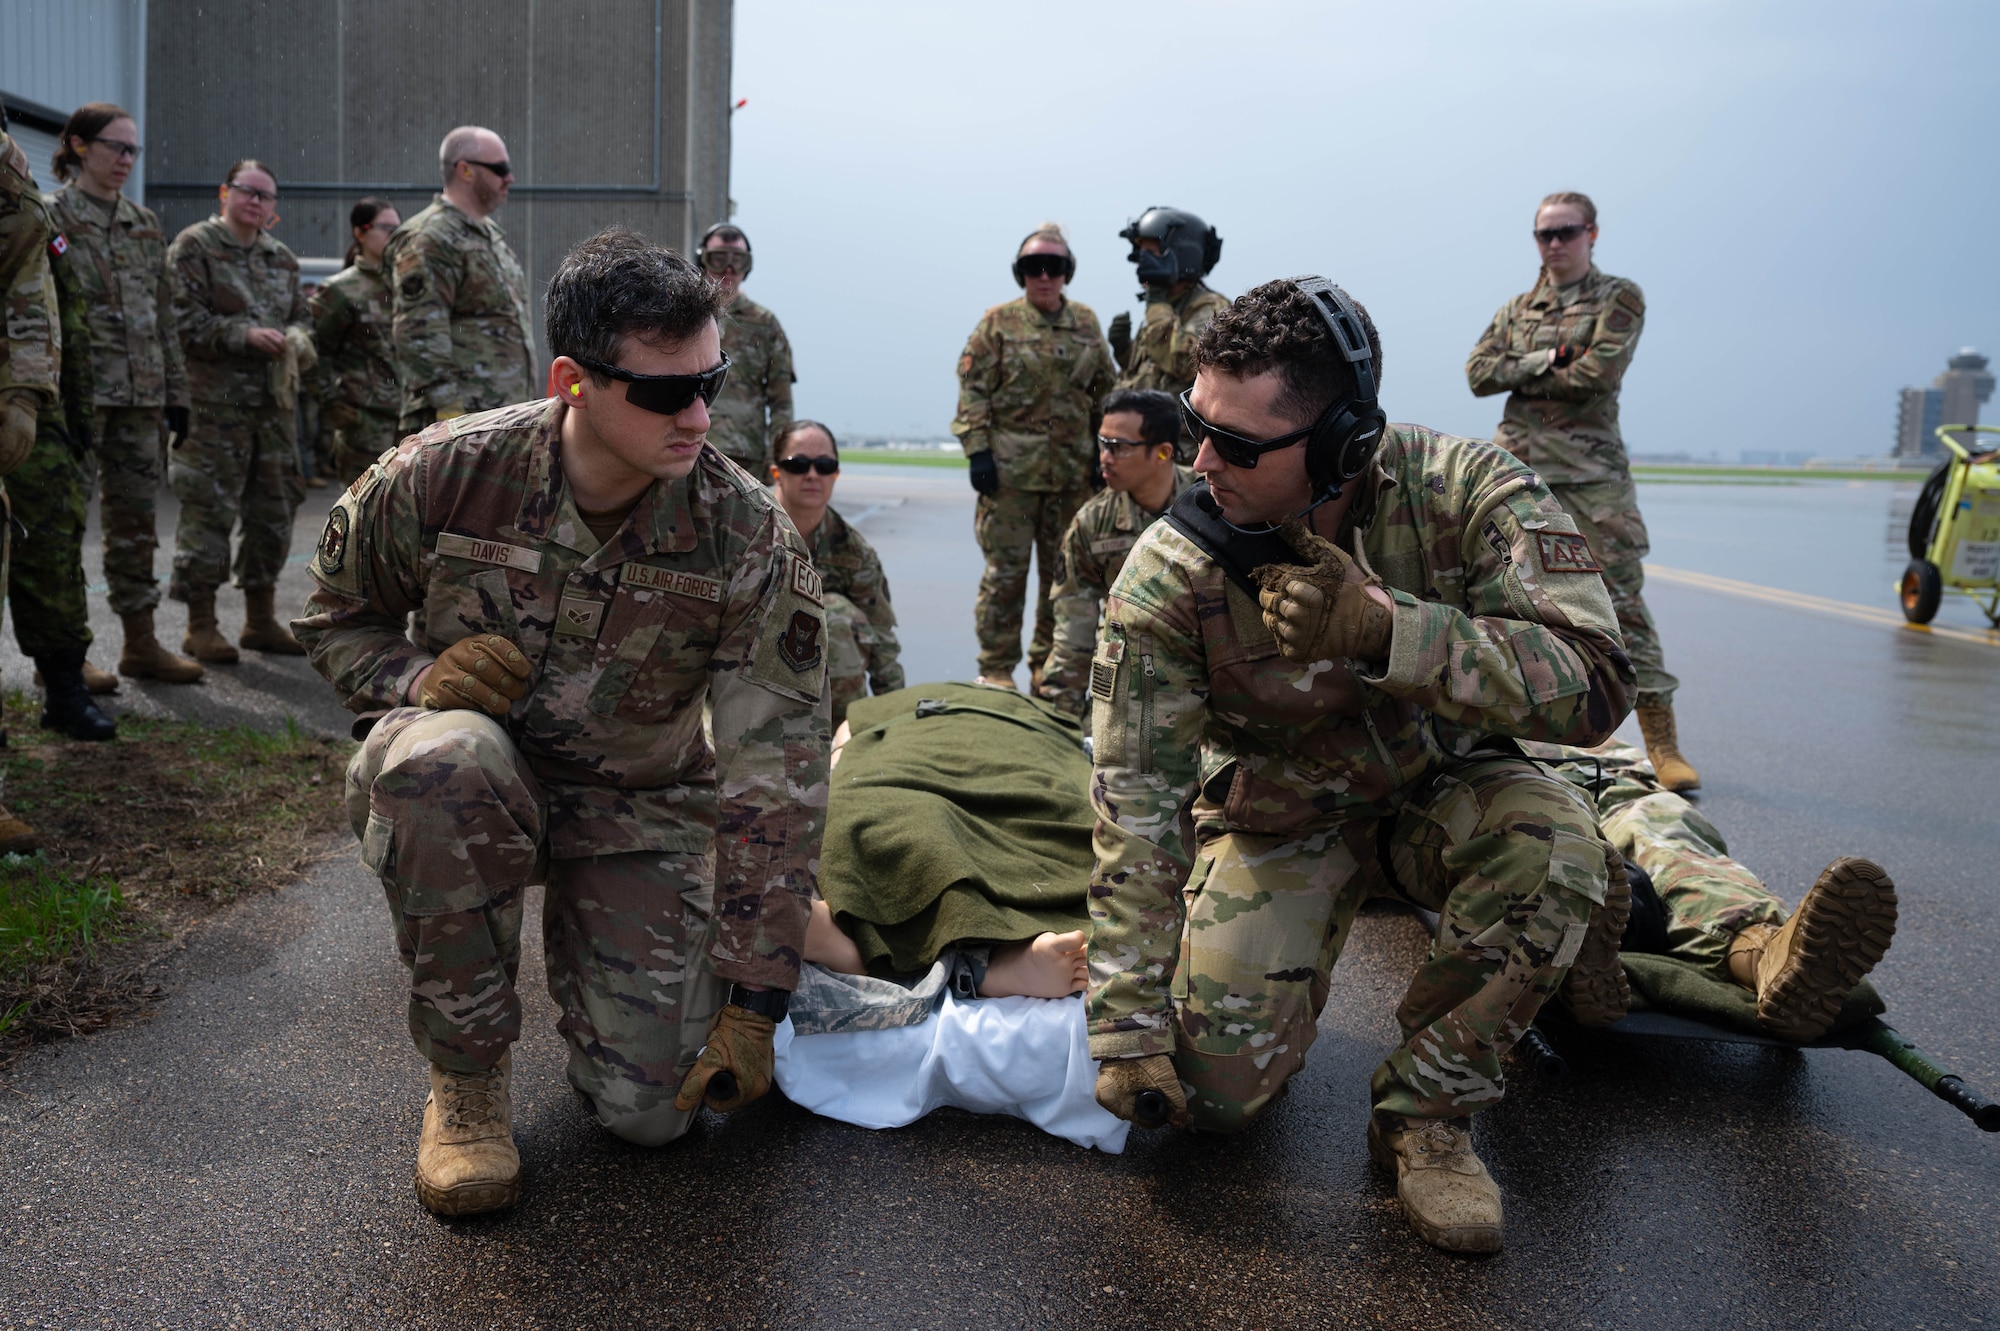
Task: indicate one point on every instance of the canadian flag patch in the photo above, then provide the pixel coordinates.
(60, 245)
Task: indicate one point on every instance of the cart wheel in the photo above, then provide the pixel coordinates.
(1921, 591)
(1924, 513)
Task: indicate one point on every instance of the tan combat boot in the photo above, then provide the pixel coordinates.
(261, 630)
(16, 837)
(202, 642)
(94, 680)
(1674, 771)
(1596, 991)
(1803, 970)
(1447, 1195)
(145, 658)
(466, 1161)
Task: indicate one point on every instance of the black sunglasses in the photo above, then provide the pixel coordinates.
(1044, 265)
(668, 394)
(1549, 235)
(500, 169)
(1110, 445)
(1238, 450)
(799, 466)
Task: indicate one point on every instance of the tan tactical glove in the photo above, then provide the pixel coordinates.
(1322, 611)
(299, 343)
(739, 1043)
(1121, 1081)
(450, 411)
(18, 409)
(487, 674)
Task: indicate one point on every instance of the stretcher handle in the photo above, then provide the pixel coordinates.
(1150, 1109)
(1879, 1037)
(721, 1087)
(1541, 1055)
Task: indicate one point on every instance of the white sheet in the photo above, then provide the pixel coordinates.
(1028, 1057)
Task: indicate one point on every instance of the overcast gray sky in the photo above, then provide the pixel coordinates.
(1806, 191)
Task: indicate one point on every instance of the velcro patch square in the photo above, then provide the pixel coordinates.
(1566, 552)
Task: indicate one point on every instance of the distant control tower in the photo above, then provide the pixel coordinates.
(1953, 398)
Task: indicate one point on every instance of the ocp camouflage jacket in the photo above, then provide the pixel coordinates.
(1502, 627)
(136, 350)
(1028, 387)
(222, 290)
(462, 330)
(851, 568)
(1088, 561)
(1563, 423)
(757, 398)
(705, 595)
(357, 362)
(1162, 354)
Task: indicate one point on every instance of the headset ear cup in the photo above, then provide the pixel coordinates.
(1020, 278)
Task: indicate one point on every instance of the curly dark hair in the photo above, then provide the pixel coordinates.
(618, 284)
(1276, 326)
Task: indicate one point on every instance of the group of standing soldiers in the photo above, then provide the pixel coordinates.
(1038, 379)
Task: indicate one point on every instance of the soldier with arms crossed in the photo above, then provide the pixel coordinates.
(590, 573)
(1308, 672)
(756, 404)
(1135, 451)
(1559, 352)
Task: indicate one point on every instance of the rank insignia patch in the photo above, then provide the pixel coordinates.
(1566, 552)
(799, 648)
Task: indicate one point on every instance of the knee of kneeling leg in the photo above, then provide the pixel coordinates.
(1226, 1094)
(655, 1126)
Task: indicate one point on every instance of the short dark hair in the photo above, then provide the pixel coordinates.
(363, 213)
(1277, 326)
(242, 164)
(1159, 414)
(792, 429)
(727, 234)
(86, 123)
(618, 284)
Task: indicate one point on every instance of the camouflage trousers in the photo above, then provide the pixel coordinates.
(44, 584)
(1011, 526)
(355, 447)
(1709, 897)
(453, 823)
(1607, 513)
(126, 463)
(242, 462)
(1508, 855)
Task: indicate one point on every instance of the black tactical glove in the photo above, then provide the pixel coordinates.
(1120, 336)
(1564, 355)
(985, 473)
(177, 423)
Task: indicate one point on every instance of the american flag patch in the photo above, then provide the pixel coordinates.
(1566, 552)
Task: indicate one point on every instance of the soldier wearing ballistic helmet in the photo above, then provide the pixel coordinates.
(460, 322)
(590, 574)
(1173, 251)
(1308, 679)
(756, 403)
(1028, 385)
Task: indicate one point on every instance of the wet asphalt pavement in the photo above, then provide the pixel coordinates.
(243, 1157)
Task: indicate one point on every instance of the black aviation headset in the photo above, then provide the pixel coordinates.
(1348, 432)
(1069, 260)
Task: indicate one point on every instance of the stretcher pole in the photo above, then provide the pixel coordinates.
(1876, 1036)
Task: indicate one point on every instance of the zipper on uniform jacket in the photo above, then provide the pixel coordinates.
(1146, 713)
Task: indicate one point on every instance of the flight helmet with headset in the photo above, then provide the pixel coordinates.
(1189, 247)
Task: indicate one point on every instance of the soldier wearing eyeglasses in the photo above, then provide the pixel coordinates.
(1560, 351)
(756, 403)
(861, 646)
(141, 378)
(460, 323)
(1028, 385)
(1136, 444)
(589, 573)
(353, 316)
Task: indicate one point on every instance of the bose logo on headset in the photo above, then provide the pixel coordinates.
(1347, 433)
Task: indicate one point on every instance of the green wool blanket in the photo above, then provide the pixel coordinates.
(1667, 984)
(957, 814)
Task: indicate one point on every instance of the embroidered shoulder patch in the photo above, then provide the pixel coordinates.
(413, 286)
(60, 245)
(799, 647)
(1566, 552)
(806, 582)
(333, 542)
(1619, 321)
(671, 580)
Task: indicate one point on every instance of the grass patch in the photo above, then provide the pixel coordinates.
(1753, 475)
(142, 837)
(899, 458)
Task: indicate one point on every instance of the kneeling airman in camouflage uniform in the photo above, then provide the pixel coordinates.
(1287, 724)
(243, 326)
(361, 402)
(1028, 385)
(861, 646)
(1135, 451)
(589, 574)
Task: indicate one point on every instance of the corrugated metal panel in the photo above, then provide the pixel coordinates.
(63, 53)
(40, 146)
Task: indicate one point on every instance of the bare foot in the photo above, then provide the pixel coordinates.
(827, 946)
(840, 738)
(1046, 966)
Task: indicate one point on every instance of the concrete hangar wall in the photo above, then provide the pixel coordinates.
(614, 111)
